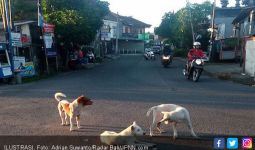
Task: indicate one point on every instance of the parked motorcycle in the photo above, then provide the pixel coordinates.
(196, 69)
(166, 60)
(91, 57)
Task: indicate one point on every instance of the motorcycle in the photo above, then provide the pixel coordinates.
(196, 69)
(149, 55)
(91, 57)
(166, 60)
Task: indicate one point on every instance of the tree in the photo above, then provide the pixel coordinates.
(24, 9)
(77, 21)
(224, 3)
(245, 2)
(176, 26)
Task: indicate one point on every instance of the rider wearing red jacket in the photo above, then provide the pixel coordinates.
(194, 53)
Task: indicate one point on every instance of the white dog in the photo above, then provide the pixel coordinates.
(170, 113)
(125, 137)
(72, 110)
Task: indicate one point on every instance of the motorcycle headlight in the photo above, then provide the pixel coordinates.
(166, 57)
(199, 61)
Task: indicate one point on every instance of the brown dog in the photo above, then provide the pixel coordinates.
(71, 109)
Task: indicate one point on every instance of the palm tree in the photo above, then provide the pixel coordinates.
(224, 3)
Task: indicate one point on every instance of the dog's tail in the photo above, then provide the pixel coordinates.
(149, 111)
(58, 95)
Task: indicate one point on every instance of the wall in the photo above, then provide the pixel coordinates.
(228, 26)
(113, 26)
(250, 57)
(131, 46)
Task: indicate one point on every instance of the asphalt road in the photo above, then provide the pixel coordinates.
(123, 90)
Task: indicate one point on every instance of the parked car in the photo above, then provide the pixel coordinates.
(156, 49)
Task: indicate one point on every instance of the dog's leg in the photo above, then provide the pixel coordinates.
(66, 119)
(175, 131)
(159, 129)
(61, 114)
(153, 125)
(78, 121)
(71, 123)
(191, 129)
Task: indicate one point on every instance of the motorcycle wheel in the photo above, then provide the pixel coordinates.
(196, 75)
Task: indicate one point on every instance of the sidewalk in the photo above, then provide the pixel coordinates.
(227, 71)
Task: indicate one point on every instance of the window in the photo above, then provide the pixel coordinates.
(124, 29)
(127, 30)
(3, 58)
(25, 52)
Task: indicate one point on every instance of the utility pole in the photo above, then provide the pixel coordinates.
(212, 32)
(41, 24)
(6, 15)
(191, 24)
(117, 35)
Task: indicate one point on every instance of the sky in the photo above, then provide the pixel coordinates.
(151, 11)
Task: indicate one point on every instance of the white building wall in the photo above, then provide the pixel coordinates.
(113, 26)
(250, 57)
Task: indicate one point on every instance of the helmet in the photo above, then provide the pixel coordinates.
(196, 44)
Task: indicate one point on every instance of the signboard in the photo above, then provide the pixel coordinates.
(144, 36)
(49, 45)
(48, 41)
(18, 62)
(28, 70)
(16, 39)
(105, 36)
(25, 40)
(48, 28)
(7, 71)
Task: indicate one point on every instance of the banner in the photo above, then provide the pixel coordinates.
(28, 70)
(16, 39)
(48, 28)
(49, 45)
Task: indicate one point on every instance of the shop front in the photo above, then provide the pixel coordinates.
(5, 65)
(23, 55)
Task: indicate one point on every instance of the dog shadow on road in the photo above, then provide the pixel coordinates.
(98, 129)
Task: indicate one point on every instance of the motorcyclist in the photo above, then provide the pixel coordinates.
(167, 50)
(194, 53)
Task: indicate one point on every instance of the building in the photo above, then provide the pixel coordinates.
(223, 21)
(127, 32)
(225, 46)
(244, 25)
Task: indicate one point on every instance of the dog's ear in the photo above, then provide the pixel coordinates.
(134, 123)
(132, 128)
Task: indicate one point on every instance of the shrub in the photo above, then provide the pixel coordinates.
(180, 52)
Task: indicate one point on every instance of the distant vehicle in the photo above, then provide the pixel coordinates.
(149, 54)
(156, 49)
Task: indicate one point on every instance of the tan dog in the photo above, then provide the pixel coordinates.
(125, 137)
(72, 110)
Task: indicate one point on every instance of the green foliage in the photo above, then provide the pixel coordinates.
(24, 9)
(77, 21)
(176, 26)
(180, 53)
